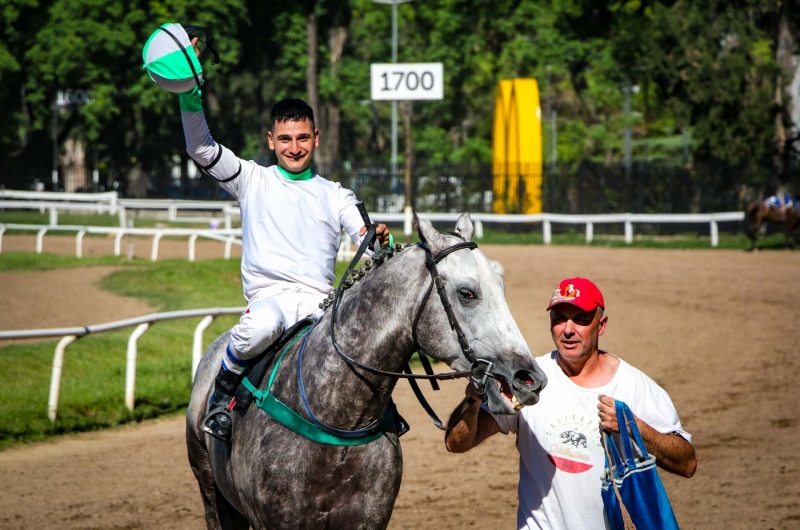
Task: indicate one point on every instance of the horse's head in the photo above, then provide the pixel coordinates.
(477, 296)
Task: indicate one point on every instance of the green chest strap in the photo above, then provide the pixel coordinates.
(298, 424)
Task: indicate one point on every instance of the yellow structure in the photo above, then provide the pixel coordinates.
(517, 147)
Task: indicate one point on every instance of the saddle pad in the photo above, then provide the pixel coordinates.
(243, 396)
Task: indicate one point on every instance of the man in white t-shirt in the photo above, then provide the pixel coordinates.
(559, 439)
(292, 219)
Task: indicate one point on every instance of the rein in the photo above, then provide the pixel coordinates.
(480, 369)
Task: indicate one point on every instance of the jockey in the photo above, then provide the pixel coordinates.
(292, 219)
(787, 200)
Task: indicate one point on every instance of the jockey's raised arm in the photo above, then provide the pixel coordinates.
(219, 163)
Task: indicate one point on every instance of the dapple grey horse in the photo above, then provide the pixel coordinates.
(268, 477)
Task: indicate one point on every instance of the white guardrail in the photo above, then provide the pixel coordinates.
(55, 201)
(70, 335)
(547, 219)
(229, 237)
(108, 202)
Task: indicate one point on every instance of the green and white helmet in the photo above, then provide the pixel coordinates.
(170, 59)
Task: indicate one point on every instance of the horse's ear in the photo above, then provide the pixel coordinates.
(464, 226)
(427, 233)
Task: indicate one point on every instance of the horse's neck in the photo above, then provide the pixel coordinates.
(374, 327)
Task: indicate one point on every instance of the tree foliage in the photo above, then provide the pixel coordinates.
(711, 68)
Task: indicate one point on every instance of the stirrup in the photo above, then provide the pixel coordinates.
(219, 422)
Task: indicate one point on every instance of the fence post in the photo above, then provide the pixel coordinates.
(79, 243)
(192, 239)
(227, 219)
(53, 216)
(123, 222)
(118, 242)
(172, 212)
(714, 234)
(154, 251)
(2, 229)
(55, 378)
(628, 231)
(39, 240)
(478, 225)
(197, 345)
(589, 232)
(547, 233)
(228, 244)
(130, 369)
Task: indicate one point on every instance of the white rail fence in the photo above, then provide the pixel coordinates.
(548, 219)
(70, 335)
(108, 202)
(229, 237)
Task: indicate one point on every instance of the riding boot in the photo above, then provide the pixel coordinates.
(219, 420)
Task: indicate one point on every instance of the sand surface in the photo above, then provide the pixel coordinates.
(719, 330)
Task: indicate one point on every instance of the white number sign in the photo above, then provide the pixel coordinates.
(407, 81)
(72, 98)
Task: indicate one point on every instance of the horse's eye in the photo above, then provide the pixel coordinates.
(466, 294)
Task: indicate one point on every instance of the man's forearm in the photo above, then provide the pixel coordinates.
(217, 161)
(199, 144)
(469, 427)
(673, 453)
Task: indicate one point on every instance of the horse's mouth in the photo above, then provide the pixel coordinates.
(508, 395)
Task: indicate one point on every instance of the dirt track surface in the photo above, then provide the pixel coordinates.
(718, 330)
(62, 298)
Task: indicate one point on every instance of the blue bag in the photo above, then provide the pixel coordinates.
(633, 494)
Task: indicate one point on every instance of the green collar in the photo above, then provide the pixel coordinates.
(305, 175)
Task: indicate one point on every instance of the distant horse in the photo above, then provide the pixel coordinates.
(759, 212)
(268, 477)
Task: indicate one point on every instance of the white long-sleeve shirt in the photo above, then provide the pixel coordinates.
(290, 229)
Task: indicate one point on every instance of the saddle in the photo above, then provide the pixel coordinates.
(256, 375)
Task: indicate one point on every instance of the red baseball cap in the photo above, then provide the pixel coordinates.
(581, 292)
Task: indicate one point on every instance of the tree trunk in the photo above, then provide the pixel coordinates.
(330, 117)
(312, 82)
(136, 181)
(784, 57)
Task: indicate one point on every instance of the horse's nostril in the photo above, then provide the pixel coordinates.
(525, 381)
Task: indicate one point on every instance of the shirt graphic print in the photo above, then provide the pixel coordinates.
(571, 440)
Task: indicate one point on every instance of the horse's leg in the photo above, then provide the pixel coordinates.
(752, 233)
(220, 515)
(751, 223)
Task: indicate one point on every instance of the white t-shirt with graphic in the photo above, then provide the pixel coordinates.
(561, 456)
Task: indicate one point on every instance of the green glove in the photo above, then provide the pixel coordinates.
(191, 101)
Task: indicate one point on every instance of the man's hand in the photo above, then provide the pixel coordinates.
(382, 232)
(608, 414)
(195, 46)
(673, 453)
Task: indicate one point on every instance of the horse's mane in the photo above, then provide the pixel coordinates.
(369, 266)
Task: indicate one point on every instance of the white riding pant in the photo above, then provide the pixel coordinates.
(266, 318)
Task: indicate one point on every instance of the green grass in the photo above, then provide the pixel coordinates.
(93, 379)
(27, 261)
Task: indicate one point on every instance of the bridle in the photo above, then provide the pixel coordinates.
(480, 369)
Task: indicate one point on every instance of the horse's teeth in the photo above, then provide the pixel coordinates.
(517, 403)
